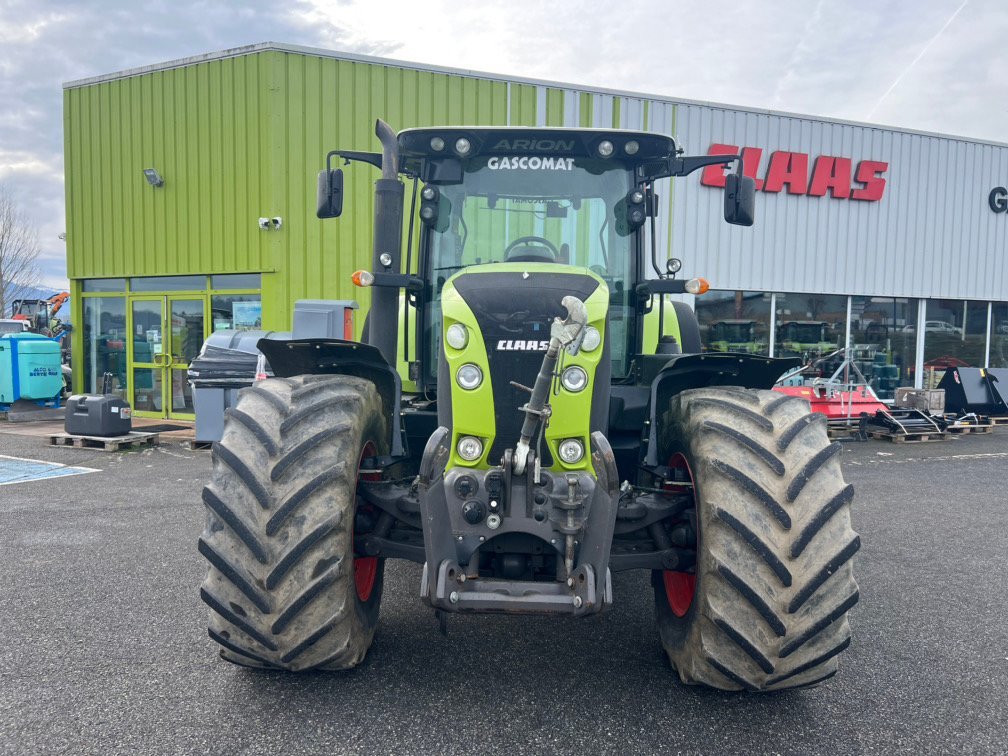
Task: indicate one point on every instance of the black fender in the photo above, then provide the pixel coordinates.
(340, 357)
(690, 371)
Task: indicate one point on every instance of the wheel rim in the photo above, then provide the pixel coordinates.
(365, 567)
(680, 587)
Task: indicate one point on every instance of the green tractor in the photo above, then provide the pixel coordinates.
(805, 339)
(506, 425)
(736, 336)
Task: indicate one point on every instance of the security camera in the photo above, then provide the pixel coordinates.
(277, 221)
(264, 224)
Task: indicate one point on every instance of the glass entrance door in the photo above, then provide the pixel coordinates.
(187, 329)
(147, 356)
(167, 333)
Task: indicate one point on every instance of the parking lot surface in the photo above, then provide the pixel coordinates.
(103, 644)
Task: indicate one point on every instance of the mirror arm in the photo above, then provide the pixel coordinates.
(684, 166)
(398, 281)
(371, 158)
(645, 289)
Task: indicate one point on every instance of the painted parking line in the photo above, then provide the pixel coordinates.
(21, 470)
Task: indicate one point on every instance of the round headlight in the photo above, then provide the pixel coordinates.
(574, 378)
(592, 339)
(462, 146)
(427, 212)
(605, 148)
(385, 259)
(457, 336)
(469, 376)
(636, 196)
(470, 448)
(571, 450)
(673, 265)
(437, 144)
(631, 147)
(428, 193)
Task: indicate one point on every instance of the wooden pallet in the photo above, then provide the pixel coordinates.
(1000, 420)
(836, 432)
(102, 443)
(962, 429)
(901, 438)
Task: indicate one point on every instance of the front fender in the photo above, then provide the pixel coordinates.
(690, 371)
(340, 357)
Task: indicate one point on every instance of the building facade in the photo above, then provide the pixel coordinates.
(190, 192)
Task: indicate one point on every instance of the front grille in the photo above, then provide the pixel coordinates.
(512, 311)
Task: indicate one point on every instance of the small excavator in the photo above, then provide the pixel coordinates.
(41, 314)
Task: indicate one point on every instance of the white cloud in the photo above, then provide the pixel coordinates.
(832, 59)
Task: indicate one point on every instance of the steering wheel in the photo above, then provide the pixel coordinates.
(539, 241)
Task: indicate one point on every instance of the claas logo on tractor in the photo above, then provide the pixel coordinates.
(529, 411)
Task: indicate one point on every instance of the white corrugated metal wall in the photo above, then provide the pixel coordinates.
(931, 235)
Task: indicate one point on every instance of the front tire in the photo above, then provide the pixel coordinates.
(284, 587)
(766, 608)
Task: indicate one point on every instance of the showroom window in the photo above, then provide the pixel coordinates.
(734, 321)
(999, 335)
(812, 327)
(105, 343)
(884, 341)
(955, 335)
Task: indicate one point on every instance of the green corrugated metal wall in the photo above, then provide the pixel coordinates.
(242, 137)
(206, 129)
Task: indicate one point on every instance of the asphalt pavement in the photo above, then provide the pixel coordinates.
(103, 645)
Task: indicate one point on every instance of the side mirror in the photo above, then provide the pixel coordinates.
(330, 193)
(739, 200)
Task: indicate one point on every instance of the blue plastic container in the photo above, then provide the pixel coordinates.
(31, 367)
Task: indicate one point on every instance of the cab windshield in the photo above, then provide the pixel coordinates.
(537, 210)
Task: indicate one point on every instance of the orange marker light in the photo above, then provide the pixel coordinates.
(697, 286)
(362, 278)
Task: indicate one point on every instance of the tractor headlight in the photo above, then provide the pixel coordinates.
(631, 147)
(469, 376)
(470, 448)
(457, 336)
(605, 148)
(462, 146)
(437, 144)
(592, 339)
(571, 450)
(574, 378)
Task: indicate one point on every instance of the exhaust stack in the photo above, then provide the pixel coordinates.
(388, 216)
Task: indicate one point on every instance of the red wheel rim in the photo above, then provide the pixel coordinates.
(365, 567)
(680, 587)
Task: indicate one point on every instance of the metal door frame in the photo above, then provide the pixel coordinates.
(163, 359)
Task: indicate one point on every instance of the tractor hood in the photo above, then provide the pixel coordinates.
(507, 310)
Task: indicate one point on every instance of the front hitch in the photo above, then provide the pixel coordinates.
(564, 334)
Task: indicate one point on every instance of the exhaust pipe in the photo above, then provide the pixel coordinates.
(383, 328)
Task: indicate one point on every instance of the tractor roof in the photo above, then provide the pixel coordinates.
(442, 142)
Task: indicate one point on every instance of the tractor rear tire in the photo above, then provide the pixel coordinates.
(767, 606)
(284, 588)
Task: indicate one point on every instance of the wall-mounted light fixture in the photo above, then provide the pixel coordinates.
(153, 177)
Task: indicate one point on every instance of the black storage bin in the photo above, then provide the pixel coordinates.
(97, 415)
(225, 365)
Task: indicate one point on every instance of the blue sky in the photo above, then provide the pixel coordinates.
(935, 65)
